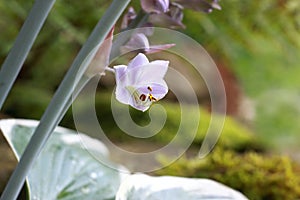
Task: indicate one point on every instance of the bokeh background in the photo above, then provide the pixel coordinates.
(256, 46)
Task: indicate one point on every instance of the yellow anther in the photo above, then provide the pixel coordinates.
(152, 98)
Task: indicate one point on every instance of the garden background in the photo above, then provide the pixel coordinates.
(256, 46)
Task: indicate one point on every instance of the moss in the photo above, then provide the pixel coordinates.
(258, 176)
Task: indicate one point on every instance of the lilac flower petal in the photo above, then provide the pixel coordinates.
(153, 72)
(158, 48)
(171, 19)
(157, 90)
(141, 83)
(139, 60)
(149, 73)
(164, 20)
(122, 95)
(138, 42)
(159, 67)
(128, 17)
(163, 6)
(176, 12)
(155, 6)
(215, 4)
(200, 5)
(120, 71)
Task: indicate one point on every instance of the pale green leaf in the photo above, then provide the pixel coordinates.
(65, 170)
(141, 186)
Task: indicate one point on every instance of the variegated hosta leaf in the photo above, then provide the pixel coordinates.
(64, 170)
(140, 187)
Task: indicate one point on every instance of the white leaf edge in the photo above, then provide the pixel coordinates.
(142, 186)
(6, 125)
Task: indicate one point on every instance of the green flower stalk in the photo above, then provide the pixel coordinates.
(15, 59)
(57, 106)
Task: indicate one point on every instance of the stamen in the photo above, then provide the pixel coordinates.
(149, 88)
(152, 98)
(143, 97)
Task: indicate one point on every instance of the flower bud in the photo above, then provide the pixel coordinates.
(206, 6)
(155, 6)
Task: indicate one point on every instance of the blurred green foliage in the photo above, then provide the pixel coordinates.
(280, 110)
(259, 41)
(233, 136)
(65, 30)
(19, 103)
(258, 176)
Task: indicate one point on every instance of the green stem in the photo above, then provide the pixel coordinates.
(84, 80)
(58, 104)
(28, 33)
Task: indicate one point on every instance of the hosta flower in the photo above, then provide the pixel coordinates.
(128, 18)
(139, 42)
(200, 5)
(155, 6)
(172, 19)
(141, 83)
(101, 58)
